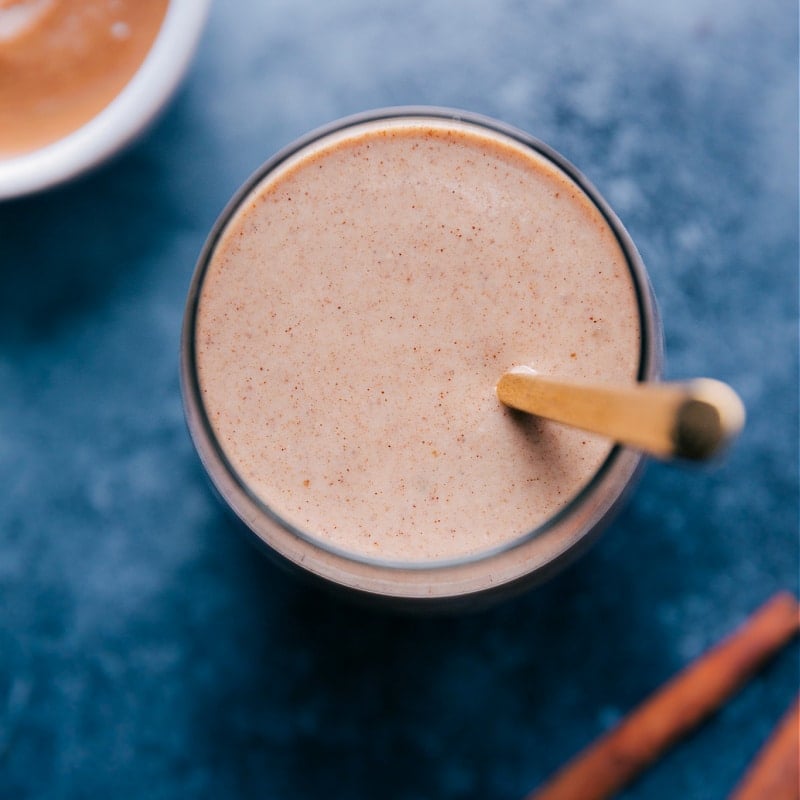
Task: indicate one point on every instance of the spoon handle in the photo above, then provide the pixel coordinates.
(692, 420)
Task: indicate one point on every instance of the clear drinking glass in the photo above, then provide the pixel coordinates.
(456, 583)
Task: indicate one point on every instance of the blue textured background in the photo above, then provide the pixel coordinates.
(148, 650)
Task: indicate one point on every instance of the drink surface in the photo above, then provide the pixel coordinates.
(63, 61)
(357, 311)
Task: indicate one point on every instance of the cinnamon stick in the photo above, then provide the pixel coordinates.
(614, 759)
(775, 771)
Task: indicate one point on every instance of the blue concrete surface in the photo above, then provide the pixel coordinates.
(148, 650)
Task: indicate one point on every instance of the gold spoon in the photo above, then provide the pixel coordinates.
(693, 420)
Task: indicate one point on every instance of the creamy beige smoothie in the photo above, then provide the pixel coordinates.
(357, 310)
(63, 61)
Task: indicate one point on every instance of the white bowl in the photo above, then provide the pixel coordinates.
(126, 117)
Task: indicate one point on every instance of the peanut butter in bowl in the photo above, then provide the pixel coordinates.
(80, 78)
(64, 61)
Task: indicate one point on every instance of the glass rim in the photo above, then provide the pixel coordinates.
(649, 347)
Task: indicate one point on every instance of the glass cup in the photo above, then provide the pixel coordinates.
(451, 583)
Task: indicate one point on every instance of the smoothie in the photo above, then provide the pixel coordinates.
(63, 61)
(356, 310)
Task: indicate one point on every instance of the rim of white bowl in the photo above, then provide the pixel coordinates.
(127, 116)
